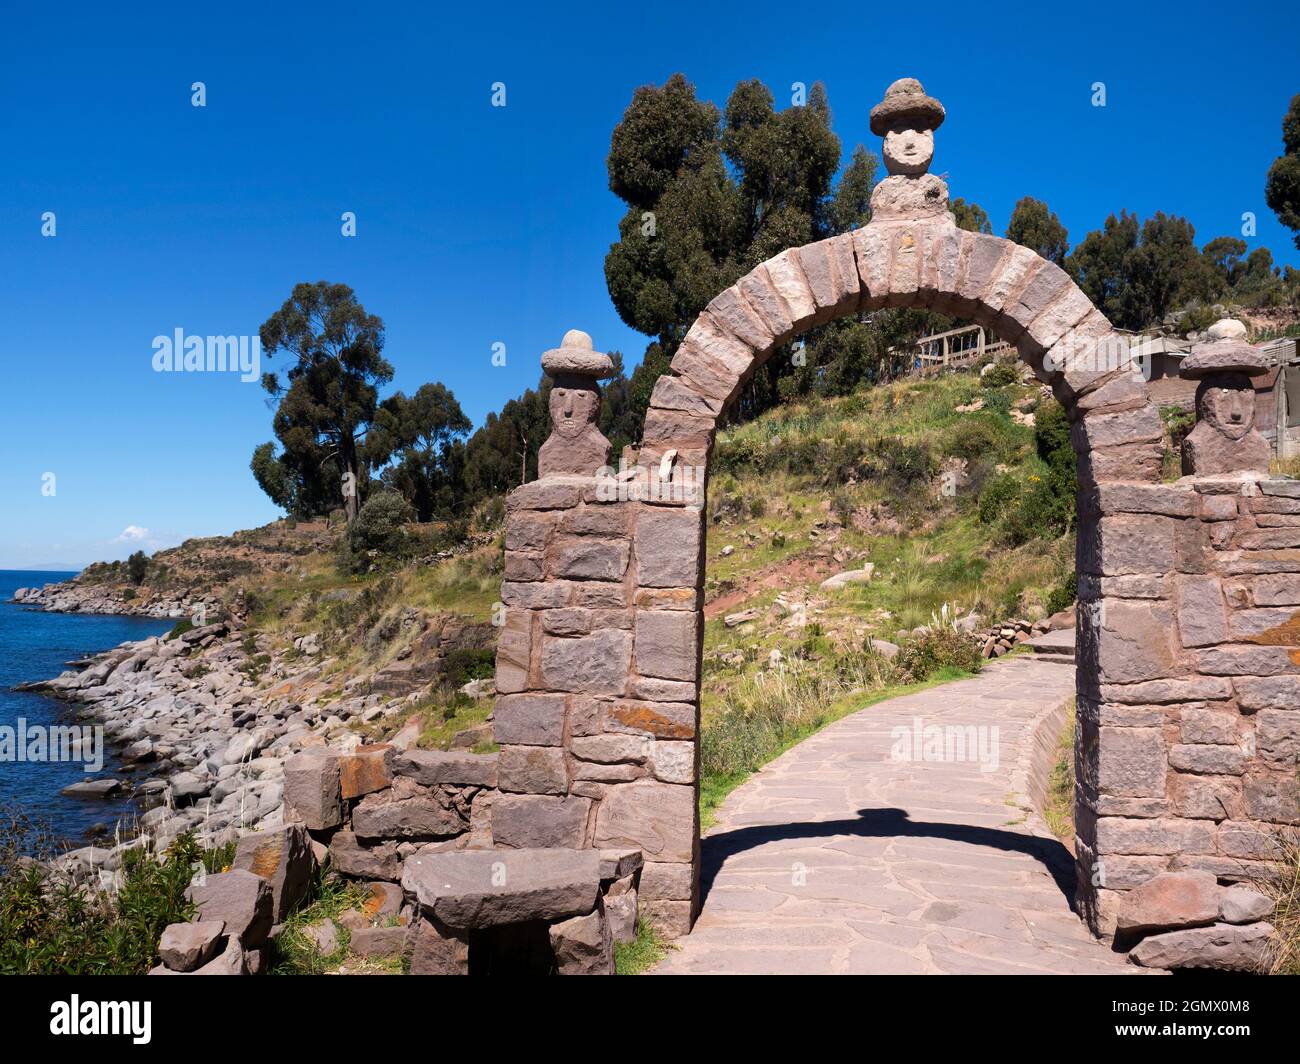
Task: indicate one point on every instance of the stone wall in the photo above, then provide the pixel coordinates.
(1189, 682)
(597, 678)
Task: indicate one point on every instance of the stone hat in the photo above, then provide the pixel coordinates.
(906, 106)
(575, 356)
(1226, 352)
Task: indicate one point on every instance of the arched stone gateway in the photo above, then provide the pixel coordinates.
(1189, 592)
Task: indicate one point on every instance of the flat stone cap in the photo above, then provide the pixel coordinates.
(1222, 356)
(906, 106)
(470, 889)
(575, 356)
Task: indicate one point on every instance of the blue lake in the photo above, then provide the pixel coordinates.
(36, 646)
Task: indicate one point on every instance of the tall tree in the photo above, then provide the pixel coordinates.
(1039, 229)
(1282, 189)
(709, 197)
(970, 216)
(331, 391)
(422, 432)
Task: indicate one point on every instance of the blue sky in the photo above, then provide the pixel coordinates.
(478, 225)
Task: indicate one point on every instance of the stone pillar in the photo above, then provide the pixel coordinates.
(597, 711)
(1189, 675)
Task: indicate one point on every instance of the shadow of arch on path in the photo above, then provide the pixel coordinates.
(888, 822)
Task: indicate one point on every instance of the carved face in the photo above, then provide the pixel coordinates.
(908, 151)
(1230, 410)
(573, 410)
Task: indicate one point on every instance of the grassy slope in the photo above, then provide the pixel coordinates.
(813, 488)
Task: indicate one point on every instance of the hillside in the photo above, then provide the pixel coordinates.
(948, 491)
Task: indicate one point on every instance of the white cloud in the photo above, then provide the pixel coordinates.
(131, 533)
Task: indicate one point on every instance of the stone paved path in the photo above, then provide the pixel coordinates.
(836, 859)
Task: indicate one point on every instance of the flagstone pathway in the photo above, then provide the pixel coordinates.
(840, 858)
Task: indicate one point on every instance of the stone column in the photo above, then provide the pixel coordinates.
(597, 713)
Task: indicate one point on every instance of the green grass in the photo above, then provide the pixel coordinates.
(642, 953)
(1059, 810)
(292, 953)
(715, 786)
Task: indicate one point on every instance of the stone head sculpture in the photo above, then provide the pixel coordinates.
(907, 118)
(1224, 439)
(575, 446)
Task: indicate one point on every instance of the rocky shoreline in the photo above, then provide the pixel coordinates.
(204, 720)
(74, 596)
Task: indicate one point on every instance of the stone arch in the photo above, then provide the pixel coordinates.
(599, 653)
(931, 263)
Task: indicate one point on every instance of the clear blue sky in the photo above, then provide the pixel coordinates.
(476, 224)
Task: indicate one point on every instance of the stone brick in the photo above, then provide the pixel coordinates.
(438, 950)
(708, 375)
(717, 343)
(1132, 762)
(872, 251)
(408, 811)
(1206, 797)
(597, 663)
(537, 595)
(1195, 689)
(524, 566)
(657, 818)
(522, 821)
(663, 720)
(677, 393)
(590, 559)
(529, 720)
(1201, 724)
(732, 312)
(611, 748)
(761, 294)
(668, 547)
(652, 689)
(1170, 900)
(1167, 836)
(1129, 543)
(1166, 499)
(1134, 643)
(450, 768)
(313, 790)
(349, 856)
(1268, 692)
(240, 899)
(1277, 736)
(514, 651)
(667, 644)
(673, 762)
(1272, 798)
(1208, 759)
(664, 881)
(283, 858)
(363, 770)
(1246, 661)
(582, 945)
(551, 493)
(1246, 840)
(831, 271)
(672, 919)
(1202, 615)
(667, 598)
(529, 530)
(786, 276)
(532, 770)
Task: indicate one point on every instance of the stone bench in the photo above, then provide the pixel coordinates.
(529, 910)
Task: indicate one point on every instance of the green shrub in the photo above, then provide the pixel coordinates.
(1063, 594)
(1001, 374)
(179, 628)
(137, 565)
(1000, 491)
(939, 647)
(50, 927)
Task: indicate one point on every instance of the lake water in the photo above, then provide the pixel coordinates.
(35, 645)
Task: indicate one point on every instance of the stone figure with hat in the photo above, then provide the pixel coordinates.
(907, 118)
(576, 446)
(1225, 439)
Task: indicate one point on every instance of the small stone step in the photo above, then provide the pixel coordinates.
(1054, 646)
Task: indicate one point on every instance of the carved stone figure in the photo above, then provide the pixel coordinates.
(907, 118)
(1224, 439)
(576, 445)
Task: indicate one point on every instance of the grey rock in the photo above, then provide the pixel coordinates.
(283, 858)
(1226, 947)
(487, 888)
(184, 947)
(1241, 905)
(239, 898)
